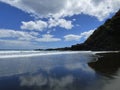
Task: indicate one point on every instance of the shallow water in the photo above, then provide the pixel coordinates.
(53, 71)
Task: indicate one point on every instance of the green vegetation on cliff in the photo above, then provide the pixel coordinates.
(105, 37)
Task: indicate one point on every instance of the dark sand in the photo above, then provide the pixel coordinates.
(107, 63)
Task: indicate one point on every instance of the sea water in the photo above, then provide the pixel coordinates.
(52, 70)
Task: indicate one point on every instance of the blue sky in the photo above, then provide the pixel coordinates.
(32, 24)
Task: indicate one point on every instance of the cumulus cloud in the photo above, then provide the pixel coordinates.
(26, 40)
(61, 23)
(45, 8)
(34, 25)
(72, 37)
(48, 38)
(26, 36)
(7, 33)
(18, 44)
(17, 39)
(40, 25)
(87, 34)
(55, 11)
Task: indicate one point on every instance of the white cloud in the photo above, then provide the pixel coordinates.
(61, 23)
(34, 25)
(18, 39)
(41, 8)
(56, 10)
(62, 8)
(18, 44)
(87, 34)
(34, 33)
(73, 37)
(48, 38)
(40, 25)
(26, 36)
(7, 33)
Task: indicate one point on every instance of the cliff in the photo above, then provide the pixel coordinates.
(105, 37)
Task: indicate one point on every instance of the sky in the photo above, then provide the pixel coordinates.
(41, 24)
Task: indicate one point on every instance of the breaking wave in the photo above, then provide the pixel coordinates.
(15, 54)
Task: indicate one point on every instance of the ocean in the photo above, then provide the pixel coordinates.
(54, 70)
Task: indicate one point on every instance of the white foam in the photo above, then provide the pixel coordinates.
(5, 52)
(16, 54)
(98, 52)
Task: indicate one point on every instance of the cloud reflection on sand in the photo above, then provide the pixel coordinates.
(41, 80)
(9, 67)
(55, 72)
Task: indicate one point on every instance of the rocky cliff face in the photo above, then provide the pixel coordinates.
(106, 37)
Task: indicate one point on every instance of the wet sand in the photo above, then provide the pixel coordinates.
(107, 63)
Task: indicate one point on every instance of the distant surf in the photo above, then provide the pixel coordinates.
(98, 52)
(15, 54)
